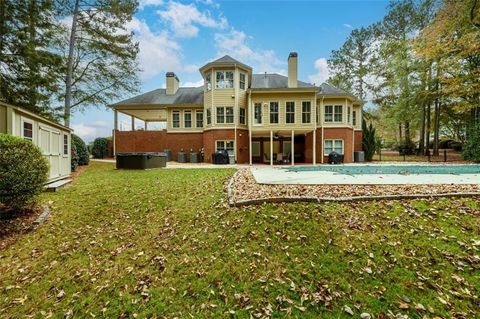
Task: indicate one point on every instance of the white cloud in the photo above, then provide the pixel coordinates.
(349, 26)
(322, 72)
(159, 53)
(234, 43)
(193, 84)
(146, 3)
(89, 131)
(184, 19)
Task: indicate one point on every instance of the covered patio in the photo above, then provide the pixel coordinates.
(282, 147)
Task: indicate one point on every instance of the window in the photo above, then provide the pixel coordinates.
(256, 149)
(176, 119)
(208, 81)
(227, 146)
(199, 118)
(273, 112)
(338, 113)
(65, 144)
(187, 119)
(242, 81)
(306, 112)
(229, 118)
(328, 113)
(333, 113)
(348, 114)
(354, 118)
(28, 130)
(290, 112)
(220, 115)
(224, 80)
(209, 116)
(242, 115)
(333, 145)
(258, 113)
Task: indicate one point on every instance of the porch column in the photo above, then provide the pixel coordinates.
(271, 148)
(292, 148)
(133, 123)
(146, 125)
(250, 147)
(115, 128)
(314, 147)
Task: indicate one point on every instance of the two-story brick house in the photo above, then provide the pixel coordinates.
(258, 118)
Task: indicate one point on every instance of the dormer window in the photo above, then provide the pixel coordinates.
(224, 80)
(208, 81)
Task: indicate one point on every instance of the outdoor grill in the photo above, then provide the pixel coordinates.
(141, 160)
(335, 158)
(220, 157)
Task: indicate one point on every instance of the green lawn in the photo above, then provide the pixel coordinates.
(163, 243)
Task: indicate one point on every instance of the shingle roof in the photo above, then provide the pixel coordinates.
(225, 60)
(274, 81)
(184, 95)
(327, 89)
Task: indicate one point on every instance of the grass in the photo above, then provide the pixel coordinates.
(163, 243)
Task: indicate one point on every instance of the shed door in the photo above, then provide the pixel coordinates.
(51, 146)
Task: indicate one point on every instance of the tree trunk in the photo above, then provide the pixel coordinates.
(421, 145)
(408, 139)
(32, 63)
(436, 131)
(427, 133)
(69, 76)
(400, 135)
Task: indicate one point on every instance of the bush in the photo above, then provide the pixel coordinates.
(23, 171)
(446, 144)
(82, 150)
(456, 146)
(74, 157)
(471, 148)
(99, 148)
(369, 140)
(405, 148)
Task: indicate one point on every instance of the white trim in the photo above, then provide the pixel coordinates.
(278, 113)
(63, 145)
(224, 75)
(24, 120)
(191, 121)
(203, 118)
(179, 119)
(261, 114)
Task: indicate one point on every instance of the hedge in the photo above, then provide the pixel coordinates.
(99, 148)
(82, 150)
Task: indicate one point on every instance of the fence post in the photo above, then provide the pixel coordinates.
(445, 155)
(429, 155)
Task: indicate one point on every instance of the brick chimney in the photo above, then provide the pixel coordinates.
(292, 70)
(172, 83)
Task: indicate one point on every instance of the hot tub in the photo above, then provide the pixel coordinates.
(141, 160)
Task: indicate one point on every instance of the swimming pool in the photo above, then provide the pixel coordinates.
(390, 169)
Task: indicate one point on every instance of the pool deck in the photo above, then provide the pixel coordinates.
(279, 175)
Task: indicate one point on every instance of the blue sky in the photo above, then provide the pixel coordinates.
(181, 36)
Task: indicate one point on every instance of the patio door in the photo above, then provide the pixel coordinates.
(266, 148)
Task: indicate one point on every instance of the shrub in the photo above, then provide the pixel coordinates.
(82, 150)
(74, 157)
(471, 148)
(99, 148)
(369, 140)
(23, 171)
(405, 148)
(445, 144)
(456, 146)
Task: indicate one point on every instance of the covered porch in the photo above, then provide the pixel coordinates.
(283, 147)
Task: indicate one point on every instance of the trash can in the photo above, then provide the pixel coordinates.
(182, 157)
(194, 157)
(359, 156)
(168, 152)
(231, 159)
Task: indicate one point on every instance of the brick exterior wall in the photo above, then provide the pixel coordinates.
(358, 141)
(157, 141)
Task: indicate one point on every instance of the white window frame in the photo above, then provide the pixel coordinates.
(229, 118)
(287, 113)
(225, 146)
(333, 146)
(173, 119)
(242, 117)
(242, 82)
(270, 112)
(224, 84)
(305, 113)
(336, 114)
(68, 144)
(28, 121)
(208, 81)
(330, 114)
(354, 118)
(209, 116)
(257, 121)
(222, 115)
(189, 112)
(197, 113)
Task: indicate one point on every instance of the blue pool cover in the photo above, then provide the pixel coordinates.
(391, 169)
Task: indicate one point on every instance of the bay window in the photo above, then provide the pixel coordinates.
(333, 146)
(228, 146)
(242, 81)
(224, 80)
(208, 81)
(225, 115)
(209, 116)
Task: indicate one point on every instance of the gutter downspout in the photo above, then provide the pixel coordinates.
(250, 127)
(323, 135)
(236, 83)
